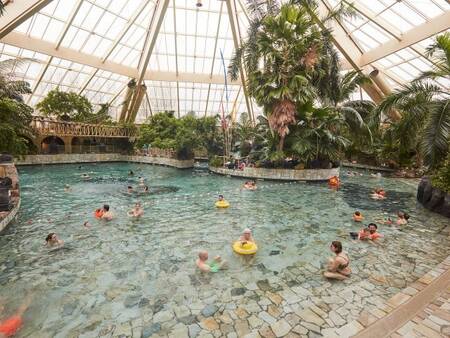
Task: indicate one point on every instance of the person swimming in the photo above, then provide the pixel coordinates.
(52, 241)
(87, 224)
(137, 211)
(146, 191)
(85, 177)
(362, 235)
(216, 264)
(11, 325)
(250, 185)
(67, 188)
(378, 194)
(141, 181)
(403, 218)
(130, 173)
(358, 217)
(373, 230)
(220, 199)
(107, 214)
(130, 190)
(247, 237)
(338, 266)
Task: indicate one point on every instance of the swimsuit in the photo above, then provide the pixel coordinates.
(214, 267)
(10, 326)
(342, 266)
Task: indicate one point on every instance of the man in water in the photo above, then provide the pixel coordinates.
(52, 241)
(214, 266)
(374, 234)
(107, 215)
(130, 189)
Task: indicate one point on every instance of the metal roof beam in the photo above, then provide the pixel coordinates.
(44, 47)
(409, 38)
(18, 12)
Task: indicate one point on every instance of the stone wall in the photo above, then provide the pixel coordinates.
(432, 198)
(89, 158)
(280, 174)
(7, 216)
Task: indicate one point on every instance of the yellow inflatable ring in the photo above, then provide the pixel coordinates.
(248, 248)
(222, 204)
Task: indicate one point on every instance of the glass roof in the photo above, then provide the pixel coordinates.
(96, 46)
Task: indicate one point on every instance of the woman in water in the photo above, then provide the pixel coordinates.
(402, 218)
(338, 266)
(52, 241)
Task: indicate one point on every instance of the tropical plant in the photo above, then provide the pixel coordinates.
(280, 57)
(424, 126)
(244, 133)
(441, 179)
(15, 116)
(68, 106)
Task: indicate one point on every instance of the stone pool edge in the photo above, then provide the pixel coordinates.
(92, 158)
(12, 173)
(279, 174)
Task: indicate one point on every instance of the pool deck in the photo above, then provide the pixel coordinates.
(94, 158)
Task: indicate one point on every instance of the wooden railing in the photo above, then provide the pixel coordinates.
(45, 126)
(157, 152)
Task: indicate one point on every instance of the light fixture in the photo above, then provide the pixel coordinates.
(199, 3)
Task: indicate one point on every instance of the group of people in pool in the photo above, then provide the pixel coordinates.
(218, 263)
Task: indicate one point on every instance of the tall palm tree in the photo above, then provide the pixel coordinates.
(425, 107)
(9, 87)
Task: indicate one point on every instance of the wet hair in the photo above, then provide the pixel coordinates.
(372, 224)
(357, 213)
(337, 245)
(49, 236)
(405, 216)
(220, 196)
(106, 207)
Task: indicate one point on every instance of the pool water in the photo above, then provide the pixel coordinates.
(132, 277)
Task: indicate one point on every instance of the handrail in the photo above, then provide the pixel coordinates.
(46, 126)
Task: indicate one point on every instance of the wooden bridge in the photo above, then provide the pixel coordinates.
(49, 127)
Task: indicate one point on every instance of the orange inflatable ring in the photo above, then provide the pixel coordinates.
(98, 213)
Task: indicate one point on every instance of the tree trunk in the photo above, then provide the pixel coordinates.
(281, 143)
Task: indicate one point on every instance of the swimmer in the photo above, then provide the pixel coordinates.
(67, 188)
(130, 173)
(247, 237)
(402, 218)
(250, 185)
(220, 198)
(338, 266)
(204, 266)
(130, 189)
(87, 224)
(53, 241)
(10, 326)
(350, 174)
(377, 175)
(146, 191)
(358, 217)
(141, 181)
(85, 177)
(362, 235)
(373, 229)
(378, 194)
(137, 211)
(107, 215)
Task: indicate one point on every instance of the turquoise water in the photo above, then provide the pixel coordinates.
(126, 270)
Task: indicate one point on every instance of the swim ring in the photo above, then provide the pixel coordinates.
(248, 248)
(222, 204)
(334, 181)
(98, 213)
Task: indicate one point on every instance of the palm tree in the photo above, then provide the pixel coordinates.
(9, 87)
(425, 108)
(244, 133)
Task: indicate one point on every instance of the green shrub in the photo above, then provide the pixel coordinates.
(441, 179)
(216, 161)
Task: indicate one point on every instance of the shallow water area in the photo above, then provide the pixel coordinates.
(129, 276)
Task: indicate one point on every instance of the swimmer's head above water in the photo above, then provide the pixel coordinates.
(220, 197)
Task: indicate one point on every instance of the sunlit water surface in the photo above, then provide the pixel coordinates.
(116, 270)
